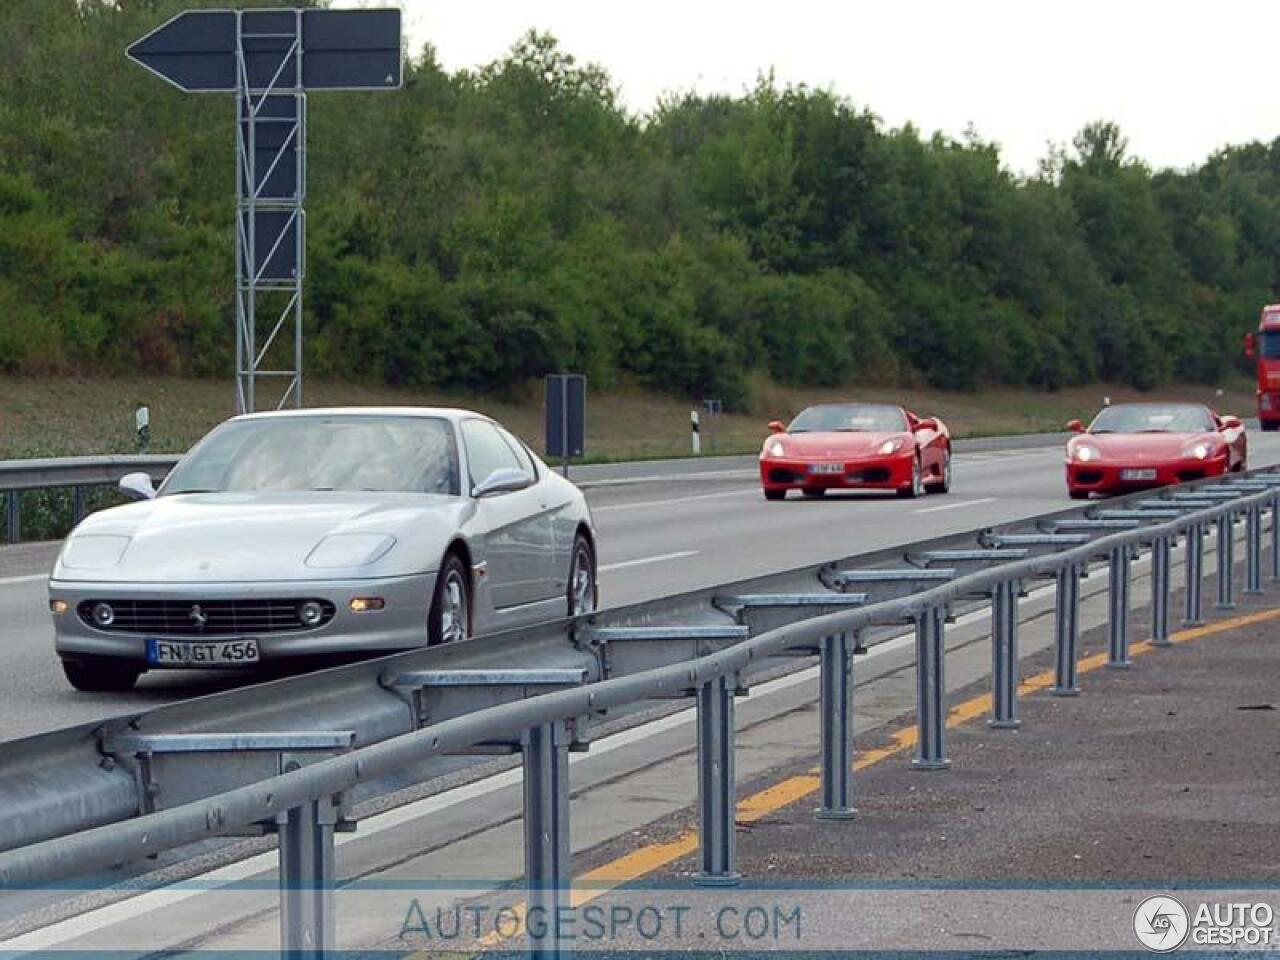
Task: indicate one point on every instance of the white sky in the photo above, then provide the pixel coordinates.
(1181, 78)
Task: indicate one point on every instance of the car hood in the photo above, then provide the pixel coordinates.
(231, 537)
(1144, 447)
(837, 444)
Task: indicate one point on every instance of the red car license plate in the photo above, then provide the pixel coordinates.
(1138, 474)
(826, 468)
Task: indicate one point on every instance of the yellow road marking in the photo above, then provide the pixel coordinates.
(645, 860)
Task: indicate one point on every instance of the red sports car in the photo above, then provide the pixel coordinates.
(844, 446)
(1131, 446)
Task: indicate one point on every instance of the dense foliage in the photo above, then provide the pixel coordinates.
(480, 228)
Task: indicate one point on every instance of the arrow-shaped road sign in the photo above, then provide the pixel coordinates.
(197, 50)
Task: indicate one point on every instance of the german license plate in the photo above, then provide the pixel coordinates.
(826, 468)
(175, 653)
(1138, 474)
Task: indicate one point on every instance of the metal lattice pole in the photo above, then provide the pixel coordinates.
(716, 804)
(545, 752)
(836, 719)
(1067, 631)
(931, 687)
(1226, 561)
(1118, 608)
(1004, 656)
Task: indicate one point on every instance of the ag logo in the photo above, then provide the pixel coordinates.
(1161, 923)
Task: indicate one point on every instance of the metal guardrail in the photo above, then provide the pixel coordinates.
(501, 709)
(78, 473)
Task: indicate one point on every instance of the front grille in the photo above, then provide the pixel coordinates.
(779, 475)
(181, 618)
(1088, 476)
(871, 475)
(1185, 475)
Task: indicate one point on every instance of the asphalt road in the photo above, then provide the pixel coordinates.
(671, 531)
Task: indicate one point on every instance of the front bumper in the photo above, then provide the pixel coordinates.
(401, 624)
(1094, 477)
(872, 473)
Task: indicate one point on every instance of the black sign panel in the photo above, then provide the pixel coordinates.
(274, 148)
(277, 245)
(566, 415)
(341, 49)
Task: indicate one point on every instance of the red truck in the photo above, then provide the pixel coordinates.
(1265, 347)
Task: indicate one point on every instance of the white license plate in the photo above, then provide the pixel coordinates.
(826, 468)
(1138, 474)
(175, 653)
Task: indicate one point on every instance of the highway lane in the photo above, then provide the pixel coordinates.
(657, 538)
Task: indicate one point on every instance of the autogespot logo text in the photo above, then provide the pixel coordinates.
(1161, 923)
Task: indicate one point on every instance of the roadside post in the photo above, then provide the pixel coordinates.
(566, 417)
(142, 424)
(695, 431)
(270, 60)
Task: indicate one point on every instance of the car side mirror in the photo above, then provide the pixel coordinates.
(928, 423)
(502, 480)
(777, 426)
(1075, 426)
(1249, 347)
(137, 486)
(1230, 423)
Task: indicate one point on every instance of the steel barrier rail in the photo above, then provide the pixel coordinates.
(78, 473)
(302, 802)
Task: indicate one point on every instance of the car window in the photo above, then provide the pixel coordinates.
(486, 450)
(521, 452)
(1153, 418)
(849, 418)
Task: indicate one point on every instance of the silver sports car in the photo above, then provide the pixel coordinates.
(319, 532)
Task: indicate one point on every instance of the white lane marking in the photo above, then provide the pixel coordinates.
(33, 578)
(956, 506)
(667, 502)
(642, 561)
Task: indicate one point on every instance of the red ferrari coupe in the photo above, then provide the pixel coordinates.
(844, 446)
(1131, 446)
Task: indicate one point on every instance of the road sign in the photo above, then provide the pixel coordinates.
(566, 410)
(197, 50)
(270, 59)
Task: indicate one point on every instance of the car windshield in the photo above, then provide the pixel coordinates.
(295, 453)
(1269, 344)
(849, 417)
(1153, 418)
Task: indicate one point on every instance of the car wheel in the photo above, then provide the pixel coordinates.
(450, 617)
(917, 481)
(775, 494)
(1269, 425)
(814, 493)
(583, 592)
(944, 483)
(101, 674)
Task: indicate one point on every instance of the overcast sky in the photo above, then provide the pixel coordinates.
(1181, 78)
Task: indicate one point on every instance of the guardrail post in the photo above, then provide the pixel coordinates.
(836, 709)
(1118, 608)
(1195, 576)
(1004, 657)
(545, 751)
(306, 879)
(1275, 536)
(1067, 631)
(716, 802)
(931, 690)
(1161, 559)
(77, 504)
(1253, 549)
(1226, 560)
(13, 516)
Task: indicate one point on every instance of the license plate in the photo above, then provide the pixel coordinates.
(1138, 474)
(229, 653)
(826, 468)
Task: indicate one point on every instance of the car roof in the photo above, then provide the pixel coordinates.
(446, 413)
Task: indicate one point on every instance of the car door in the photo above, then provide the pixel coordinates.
(515, 525)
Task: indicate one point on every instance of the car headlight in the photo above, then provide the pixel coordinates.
(350, 550)
(774, 448)
(94, 551)
(1198, 451)
(891, 446)
(1085, 453)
